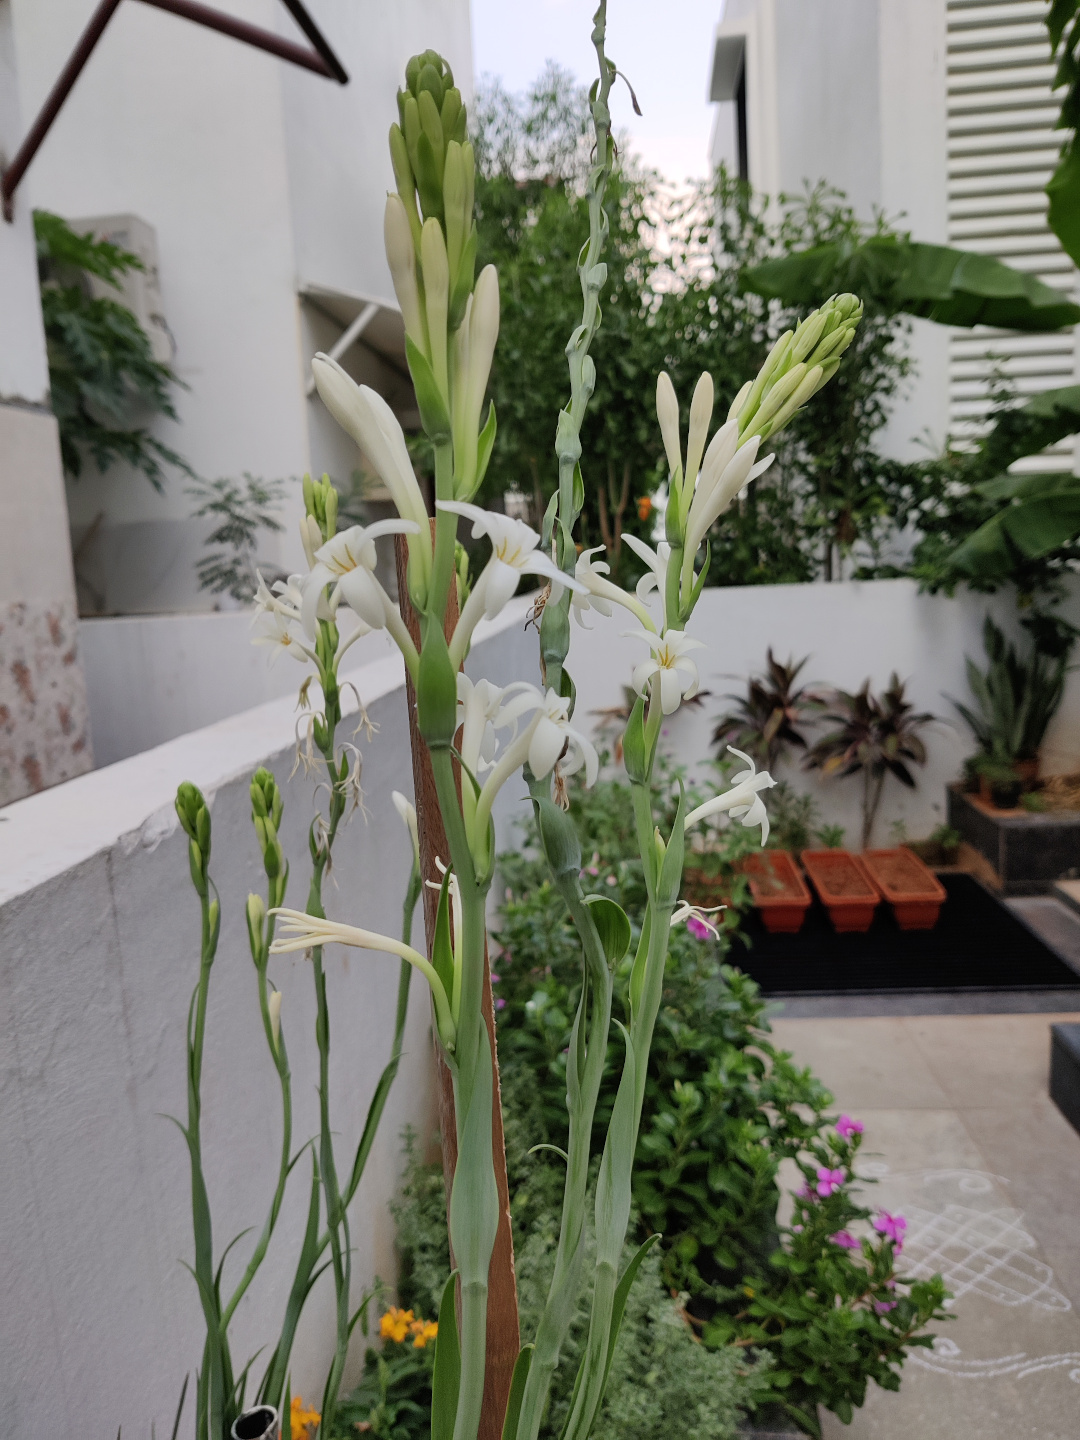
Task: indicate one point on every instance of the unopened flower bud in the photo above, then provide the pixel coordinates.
(401, 255)
(667, 412)
(256, 914)
(408, 816)
(273, 1005)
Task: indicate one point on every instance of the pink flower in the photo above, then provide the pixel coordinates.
(892, 1227)
(845, 1240)
(883, 1306)
(698, 928)
(805, 1193)
(846, 1127)
(828, 1181)
(499, 1003)
(611, 880)
(495, 978)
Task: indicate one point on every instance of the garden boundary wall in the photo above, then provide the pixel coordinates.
(850, 630)
(98, 960)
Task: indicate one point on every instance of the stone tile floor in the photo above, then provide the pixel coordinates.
(962, 1137)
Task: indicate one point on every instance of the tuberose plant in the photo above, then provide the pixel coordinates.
(482, 734)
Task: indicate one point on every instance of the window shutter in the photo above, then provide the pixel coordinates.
(1002, 150)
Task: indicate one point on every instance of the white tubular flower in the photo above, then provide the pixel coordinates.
(678, 674)
(701, 408)
(513, 554)
(273, 1005)
(656, 579)
(697, 918)
(474, 349)
(407, 811)
(305, 932)
(367, 417)
(275, 629)
(310, 537)
(349, 560)
(727, 469)
(478, 713)
(743, 801)
(547, 739)
(602, 592)
(667, 412)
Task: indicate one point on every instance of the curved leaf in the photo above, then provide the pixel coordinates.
(935, 282)
(612, 926)
(1042, 514)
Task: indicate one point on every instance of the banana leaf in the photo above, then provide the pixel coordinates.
(1063, 188)
(1046, 418)
(935, 282)
(1041, 513)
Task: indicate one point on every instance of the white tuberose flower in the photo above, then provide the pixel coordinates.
(350, 559)
(678, 674)
(727, 468)
(407, 811)
(743, 801)
(656, 576)
(513, 554)
(602, 593)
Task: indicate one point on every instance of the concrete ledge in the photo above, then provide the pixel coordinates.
(1028, 851)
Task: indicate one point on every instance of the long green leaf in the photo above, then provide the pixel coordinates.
(1044, 516)
(622, 1294)
(935, 282)
(517, 1390)
(446, 1379)
(1022, 430)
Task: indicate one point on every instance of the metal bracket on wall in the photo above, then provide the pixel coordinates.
(320, 58)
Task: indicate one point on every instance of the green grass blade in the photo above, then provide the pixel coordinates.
(446, 1379)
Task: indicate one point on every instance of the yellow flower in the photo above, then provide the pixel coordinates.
(303, 1420)
(423, 1331)
(395, 1324)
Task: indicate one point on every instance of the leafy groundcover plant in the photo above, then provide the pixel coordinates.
(807, 1288)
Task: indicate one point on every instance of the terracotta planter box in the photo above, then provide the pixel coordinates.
(778, 889)
(915, 894)
(846, 890)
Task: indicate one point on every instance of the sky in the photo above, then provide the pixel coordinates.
(663, 48)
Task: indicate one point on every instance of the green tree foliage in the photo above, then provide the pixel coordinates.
(1063, 187)
(104, 381)
(240, 509)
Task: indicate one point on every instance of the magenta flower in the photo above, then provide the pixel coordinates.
(499, 1003)
(845, 1240)
(828, 1181)
(698, 928)
(883, 1306)
(892, 1227)
(805, 1193)
(846, 1127)
(495, 978)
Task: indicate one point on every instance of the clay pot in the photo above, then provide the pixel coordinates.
(915, 894)
(778, 889)
(846, 890)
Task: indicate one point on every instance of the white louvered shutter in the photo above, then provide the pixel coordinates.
(1002, 150)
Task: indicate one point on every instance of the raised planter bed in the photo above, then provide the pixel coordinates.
(914, 893)
(1028, 852)
(778, 889)
(846, 890)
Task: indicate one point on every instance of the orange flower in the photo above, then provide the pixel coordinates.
(303, 1419)
(423, 1331)
(644, 507)
(395, 1324)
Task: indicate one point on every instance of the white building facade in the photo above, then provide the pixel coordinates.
(938, 113)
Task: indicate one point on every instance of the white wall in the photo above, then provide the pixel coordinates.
(849, 631)
(258, 178)
(98, 958)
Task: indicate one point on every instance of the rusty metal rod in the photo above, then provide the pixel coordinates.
(49, 111)
(250, 35)
(321, 60)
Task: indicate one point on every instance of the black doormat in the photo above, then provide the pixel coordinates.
(977, 944)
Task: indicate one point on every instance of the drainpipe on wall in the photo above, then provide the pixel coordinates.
(44, 722)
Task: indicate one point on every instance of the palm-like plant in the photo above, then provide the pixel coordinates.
(874, 737)
(765, 721)
(1016, 698)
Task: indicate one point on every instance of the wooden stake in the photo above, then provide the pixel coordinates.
(503, 1337)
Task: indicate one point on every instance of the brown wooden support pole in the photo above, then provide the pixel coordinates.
(503, 1338)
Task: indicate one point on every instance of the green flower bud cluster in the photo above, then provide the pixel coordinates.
(266, 808)
(461, 575)
(321, 503)
(436, 171)
(194, 816)
(799, 364)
